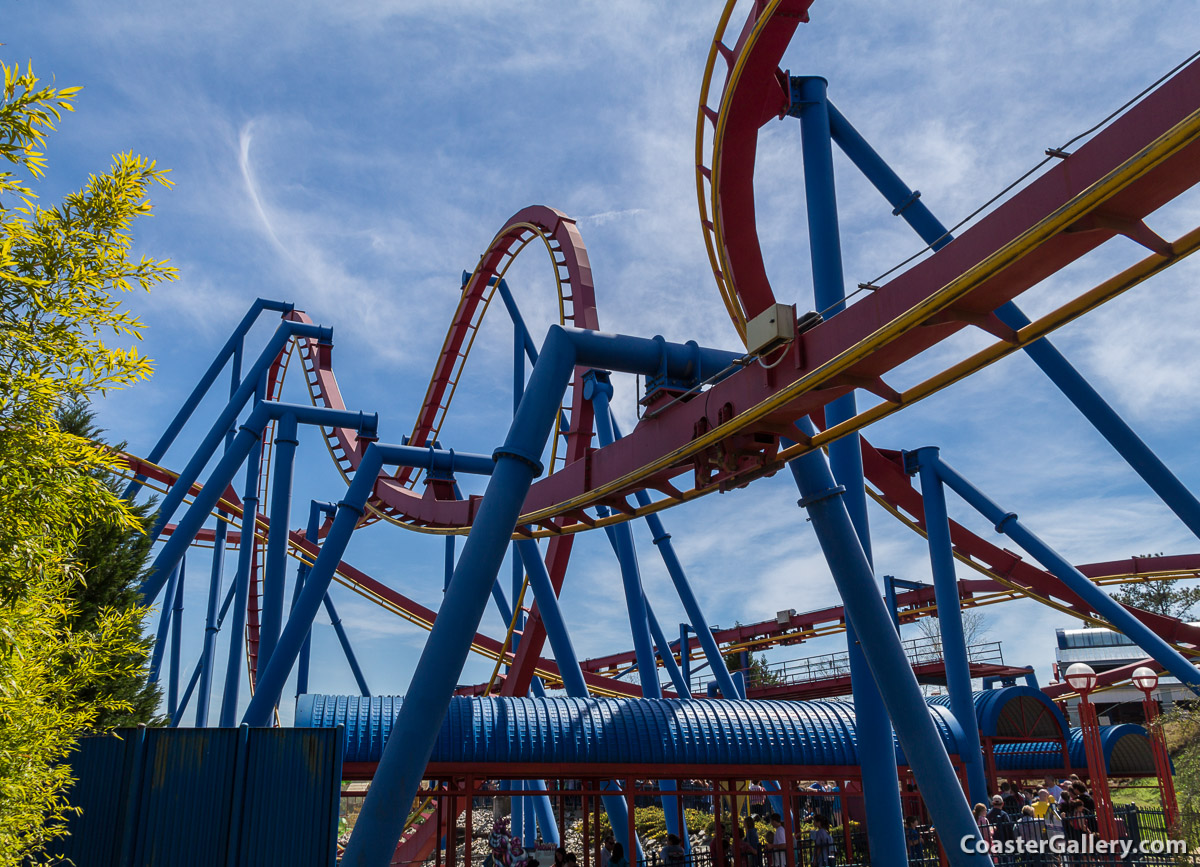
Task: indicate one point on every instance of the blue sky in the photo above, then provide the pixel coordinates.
(356, 158)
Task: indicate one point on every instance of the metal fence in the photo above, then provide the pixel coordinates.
(826, 666)
(1142, 840)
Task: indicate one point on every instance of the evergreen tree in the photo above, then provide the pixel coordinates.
(112, 560)
(1169, 598)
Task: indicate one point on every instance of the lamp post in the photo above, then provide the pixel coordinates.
(1146, 679)
(1082, 678)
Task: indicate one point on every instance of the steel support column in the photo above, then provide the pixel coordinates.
(884, 653)
(953, 640)
(885, 821)
(1099, 601)
(164, 627)
(176, 643)
(563, 649)
(275, 574)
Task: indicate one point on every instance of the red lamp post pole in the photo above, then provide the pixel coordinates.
(1082, 679)
(1097, 773)
(1146, 679)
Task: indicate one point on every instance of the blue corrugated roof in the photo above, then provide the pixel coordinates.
(1014, 711)
(609, 730)
(1126, 752)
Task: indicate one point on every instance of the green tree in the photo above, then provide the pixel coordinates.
(61, 329)
(1170, 598)
(1183, 735)
(111, 559)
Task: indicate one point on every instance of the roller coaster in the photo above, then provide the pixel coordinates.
(712, 419)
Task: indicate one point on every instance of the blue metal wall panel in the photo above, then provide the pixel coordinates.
(290, 809)
(605, 730)
(108, 759)
(250, 797)
(184, 799)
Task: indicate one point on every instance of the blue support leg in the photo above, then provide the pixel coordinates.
(198, 667)
(880, 784)
(312, 533)
(678, 682)
(901, 695)
(564, 654)
(275, 574)
(164, 627)
(344, 640)
(953, 639)
(304, 659)
(1075, 581)
(176, 643)
(241, 587)
(207, 655)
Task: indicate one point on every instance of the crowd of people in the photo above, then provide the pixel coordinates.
(1058, 809)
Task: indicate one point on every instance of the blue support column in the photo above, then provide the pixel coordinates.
(880, 783)
(691, 605)
(685, 651)
(305, 657)
(449, 570)
(176, 642)
(164, 627)
(599, 391)
(564, 654)
(207, 656)
(620, 536)
(275, 575)
(344, 640)
(898, 688)
(953, 639)
(241, 584)
(663, 647)
(196, 669)
(517, 804)
(1074, 580)
(312, 533)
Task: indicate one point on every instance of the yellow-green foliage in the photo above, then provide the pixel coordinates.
(1184, 724)
(61, 269)
(651, 824)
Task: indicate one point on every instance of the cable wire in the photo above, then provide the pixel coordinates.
(1051, 155)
